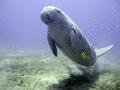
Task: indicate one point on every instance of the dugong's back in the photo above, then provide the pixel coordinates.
(73, 44)
(65, 34)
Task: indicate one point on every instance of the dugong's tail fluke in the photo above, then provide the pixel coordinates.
(102, 51)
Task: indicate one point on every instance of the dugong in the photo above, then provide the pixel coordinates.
(67, 36)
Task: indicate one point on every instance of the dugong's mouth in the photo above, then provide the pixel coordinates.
(46, 18)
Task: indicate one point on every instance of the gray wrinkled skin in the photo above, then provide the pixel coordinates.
(65, 34)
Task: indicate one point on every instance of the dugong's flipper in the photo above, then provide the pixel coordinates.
(52, 45)
(102, 51)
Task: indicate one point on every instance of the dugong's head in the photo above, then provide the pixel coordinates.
(51, 14)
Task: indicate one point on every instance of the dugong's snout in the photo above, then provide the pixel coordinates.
(45, 17)
(50, 14)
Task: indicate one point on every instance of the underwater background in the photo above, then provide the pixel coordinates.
(26, 62)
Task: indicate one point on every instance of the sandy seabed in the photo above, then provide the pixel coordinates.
(20, 70)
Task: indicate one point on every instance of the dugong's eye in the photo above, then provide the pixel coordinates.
(58, 11)
(85, 56)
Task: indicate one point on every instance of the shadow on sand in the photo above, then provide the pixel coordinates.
(75, 82)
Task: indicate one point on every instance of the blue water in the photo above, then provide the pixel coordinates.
(20, 24)
(23, 38)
